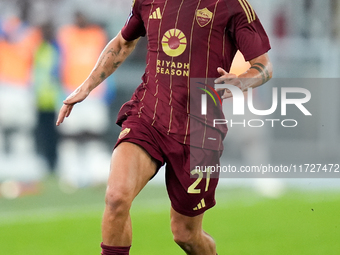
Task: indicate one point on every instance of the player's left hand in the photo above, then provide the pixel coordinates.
(228, 78)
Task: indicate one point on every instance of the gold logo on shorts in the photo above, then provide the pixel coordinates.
(203, 17)
(124, 133)
(200, 205)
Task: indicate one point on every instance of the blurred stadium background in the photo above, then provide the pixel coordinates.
(52, 181)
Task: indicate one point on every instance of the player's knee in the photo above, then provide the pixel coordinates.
(185, 242)
(117, 201)
(183, 236)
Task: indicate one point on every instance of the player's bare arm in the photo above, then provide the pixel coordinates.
(113, 55)
(260, 72)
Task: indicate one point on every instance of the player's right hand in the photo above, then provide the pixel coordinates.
(227, 78)
(76, 97)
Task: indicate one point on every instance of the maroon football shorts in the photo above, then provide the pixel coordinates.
(191, 192)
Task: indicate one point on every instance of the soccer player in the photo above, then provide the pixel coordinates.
(186, 39)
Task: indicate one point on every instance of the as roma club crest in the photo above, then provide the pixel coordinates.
(124, 133)
(203, 17)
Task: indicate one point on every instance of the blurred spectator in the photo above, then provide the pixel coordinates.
(82, 150)
(280, 23)
(47, 91)
(18, 42)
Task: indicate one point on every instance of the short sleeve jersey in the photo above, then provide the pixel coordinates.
(188, 39)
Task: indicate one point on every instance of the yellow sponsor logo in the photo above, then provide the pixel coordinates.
(174, 42)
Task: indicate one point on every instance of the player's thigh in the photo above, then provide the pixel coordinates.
(131, 168)
(183, 226)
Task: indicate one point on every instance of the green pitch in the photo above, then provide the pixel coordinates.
(242, 223)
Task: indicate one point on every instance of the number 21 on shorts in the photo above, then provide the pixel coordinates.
(193, 187)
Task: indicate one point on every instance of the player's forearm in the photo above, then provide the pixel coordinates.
(260, 72)
(113, 55)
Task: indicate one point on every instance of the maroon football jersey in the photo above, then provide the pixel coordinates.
(188, 39)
